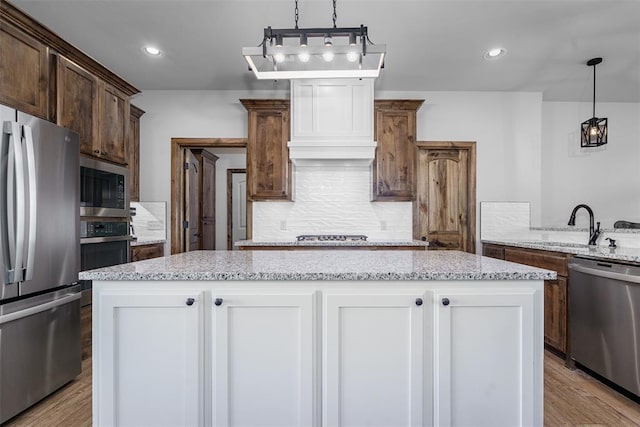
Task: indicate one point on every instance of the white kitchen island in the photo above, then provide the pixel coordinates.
(291, 338)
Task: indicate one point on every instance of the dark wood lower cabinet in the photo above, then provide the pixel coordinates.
(142, 252)
(555, 291)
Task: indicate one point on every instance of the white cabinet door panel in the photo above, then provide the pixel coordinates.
(373, 350)
(485, 359)
(263, 359)
(149, 359)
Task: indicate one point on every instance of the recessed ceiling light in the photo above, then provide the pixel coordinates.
(495, 53)
(152, 50)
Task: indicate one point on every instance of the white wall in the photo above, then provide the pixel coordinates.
(506, 126)
(606, 178)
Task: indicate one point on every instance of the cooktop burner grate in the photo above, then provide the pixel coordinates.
(331, 238)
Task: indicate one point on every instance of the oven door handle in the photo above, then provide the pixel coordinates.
(104, 239)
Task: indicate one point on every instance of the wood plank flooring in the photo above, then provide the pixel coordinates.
(571, 398)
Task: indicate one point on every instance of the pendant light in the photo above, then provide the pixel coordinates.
(338, 52)
(593, 132)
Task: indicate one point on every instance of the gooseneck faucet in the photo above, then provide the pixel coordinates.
(593, 233)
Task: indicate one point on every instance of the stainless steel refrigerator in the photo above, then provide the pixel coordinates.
(39, 260)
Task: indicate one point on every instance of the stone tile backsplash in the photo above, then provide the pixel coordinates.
(332, 199)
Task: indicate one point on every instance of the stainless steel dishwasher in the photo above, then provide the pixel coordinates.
(604, 319)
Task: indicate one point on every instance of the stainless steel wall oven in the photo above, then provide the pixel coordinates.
(103, 242)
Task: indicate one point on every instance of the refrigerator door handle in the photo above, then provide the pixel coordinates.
(39, 308)
(15, 188)
(33, 203)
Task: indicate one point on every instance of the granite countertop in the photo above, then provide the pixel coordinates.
(139, 242)
(320, 265)
(599, 252)
(245, 243)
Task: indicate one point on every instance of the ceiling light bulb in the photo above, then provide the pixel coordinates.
(151, 50)
(593, 130)
(328, 41)
(304, 56)
(278, 57)
(327, 55)
(352, 56)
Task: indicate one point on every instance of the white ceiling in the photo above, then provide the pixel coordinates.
(431, 45)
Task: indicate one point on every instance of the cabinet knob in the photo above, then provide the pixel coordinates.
(190, 301)
(218, 302)
(445, 301)
(96, 151)
(104, 153)
(418, 301)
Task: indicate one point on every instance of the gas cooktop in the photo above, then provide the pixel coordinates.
(331, 238)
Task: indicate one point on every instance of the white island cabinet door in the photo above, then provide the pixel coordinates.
(374, 359)
(148, 359)
(488, 365)
(263, 359)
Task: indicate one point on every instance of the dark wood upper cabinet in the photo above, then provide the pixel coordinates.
(24, 72)
(394, 165)
(113, 122)
(77, 103)
(268, 167)
(96, 110)
(134, 152)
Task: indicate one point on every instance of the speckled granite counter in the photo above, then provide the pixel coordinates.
(320, 265)
(332, 244)
(599, 252)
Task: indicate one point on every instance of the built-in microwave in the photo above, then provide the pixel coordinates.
(104, 189)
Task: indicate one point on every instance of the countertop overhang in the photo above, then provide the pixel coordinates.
(336, 265)
(598, 252)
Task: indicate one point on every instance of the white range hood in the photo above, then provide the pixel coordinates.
(332, 122)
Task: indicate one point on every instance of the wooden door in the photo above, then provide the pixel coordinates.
(133, 160)
(114, 124)
(394, 163)
(374, 360)
(192, 201)
(208, 200)
(263, 349)
(445, 207)
(24, 72)
(268, 166)
(77, 104)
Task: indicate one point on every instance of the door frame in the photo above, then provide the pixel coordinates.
(230, 173)
(470, 146)
(178, 145)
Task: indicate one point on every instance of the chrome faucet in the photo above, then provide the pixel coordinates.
(593, 233)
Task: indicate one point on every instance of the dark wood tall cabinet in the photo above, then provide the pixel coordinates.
(268, 166)
(394, 166)
(134, 152)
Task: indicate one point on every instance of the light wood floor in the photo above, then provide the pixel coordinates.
(571, 398)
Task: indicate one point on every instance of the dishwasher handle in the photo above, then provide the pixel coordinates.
(607, 274)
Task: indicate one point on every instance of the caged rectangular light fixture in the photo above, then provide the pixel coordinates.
(593, 132)
(299, 53)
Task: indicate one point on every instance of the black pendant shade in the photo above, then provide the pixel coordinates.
(593, 132)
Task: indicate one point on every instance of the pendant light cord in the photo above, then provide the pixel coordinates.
(297, 14)
(335, 14)
(594, 90)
